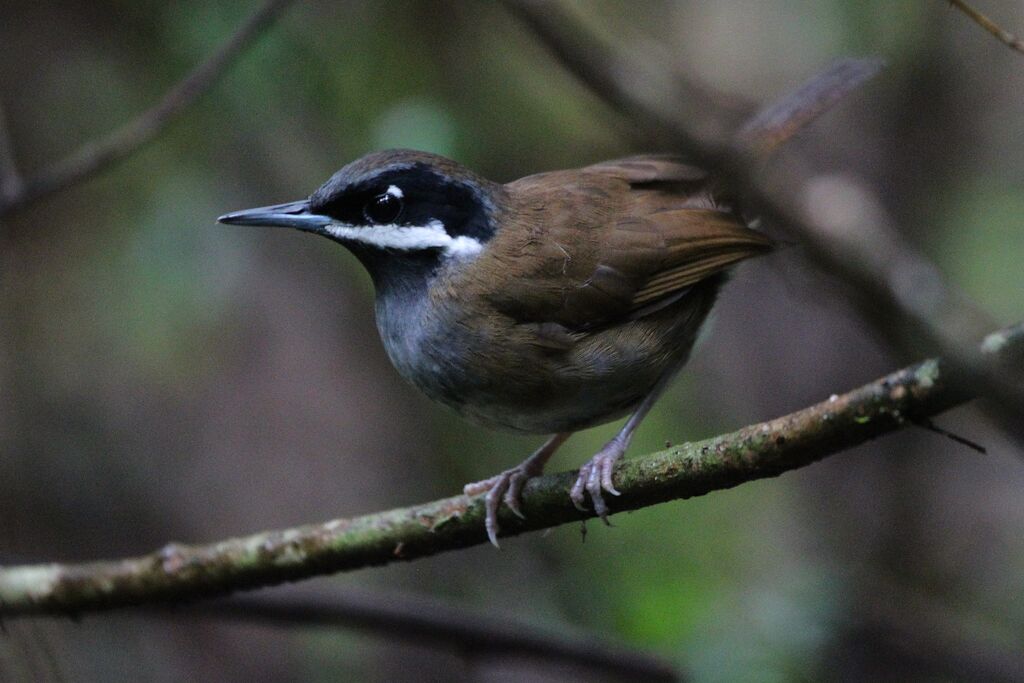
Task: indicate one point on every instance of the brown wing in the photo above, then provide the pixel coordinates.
(610, 242)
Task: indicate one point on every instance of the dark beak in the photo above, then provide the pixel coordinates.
(290, 215)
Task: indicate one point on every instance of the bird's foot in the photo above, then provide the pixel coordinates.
(507, 487)
(596, 477)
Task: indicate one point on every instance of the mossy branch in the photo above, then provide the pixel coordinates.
(179, 573)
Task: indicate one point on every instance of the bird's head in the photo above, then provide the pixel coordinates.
(392, 209)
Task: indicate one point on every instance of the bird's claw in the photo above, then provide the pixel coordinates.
(595, 478)
(506, 487)
(514, 493)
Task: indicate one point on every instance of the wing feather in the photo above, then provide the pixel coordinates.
(612, 242)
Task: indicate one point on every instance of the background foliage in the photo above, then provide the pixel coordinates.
(166, 378)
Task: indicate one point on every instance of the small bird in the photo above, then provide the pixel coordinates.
(552, 303)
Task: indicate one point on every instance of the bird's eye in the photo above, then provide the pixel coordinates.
(384, 208)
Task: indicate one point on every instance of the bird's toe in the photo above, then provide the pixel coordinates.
(576, 494)
(492, 501)
(514, 494)
(594, 489)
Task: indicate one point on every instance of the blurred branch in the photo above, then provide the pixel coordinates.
(888, 300)
(650, 96)
(179, 572)
(97, 155)
(776, 123)
(10, 179)
(1007, 38)
(438, 624)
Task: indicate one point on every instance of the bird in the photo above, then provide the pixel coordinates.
(547, 305)
(552, 303)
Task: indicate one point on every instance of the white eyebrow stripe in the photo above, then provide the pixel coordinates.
(408, 237)
(395, 191)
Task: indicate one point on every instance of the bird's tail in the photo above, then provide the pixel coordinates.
(783, 118)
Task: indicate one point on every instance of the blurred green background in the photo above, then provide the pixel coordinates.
(166, 378)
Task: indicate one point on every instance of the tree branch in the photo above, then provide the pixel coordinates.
(95, 156)
(179, 572)
(418, 620)
(1007, 38)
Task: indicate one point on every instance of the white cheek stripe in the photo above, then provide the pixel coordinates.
(408, 237)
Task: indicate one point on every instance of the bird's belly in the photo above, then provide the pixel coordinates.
(533, 396)
(518, 387)
(551, 411)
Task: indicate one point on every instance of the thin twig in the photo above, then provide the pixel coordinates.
(179, 573)
(930, 425)
(10, 179)
(95, 156)
(1007, 38)
(419, 620)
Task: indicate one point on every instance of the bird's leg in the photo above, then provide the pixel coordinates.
(508, 485)
(596, 474)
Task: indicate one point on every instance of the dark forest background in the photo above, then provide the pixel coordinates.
(166, 378)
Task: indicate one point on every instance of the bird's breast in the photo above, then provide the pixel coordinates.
(430, 347)
(506, 375)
